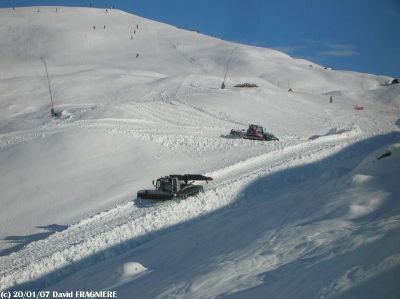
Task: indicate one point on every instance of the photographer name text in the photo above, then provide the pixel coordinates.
(57, 294)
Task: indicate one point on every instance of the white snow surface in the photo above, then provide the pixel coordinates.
(314, 215)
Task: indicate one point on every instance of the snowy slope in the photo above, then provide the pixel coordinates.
(277, 213)
(342, 242)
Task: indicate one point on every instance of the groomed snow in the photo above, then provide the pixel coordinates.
(313, 215)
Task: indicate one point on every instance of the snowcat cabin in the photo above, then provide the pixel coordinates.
(163, 184)
(255, 130)
(168, 184)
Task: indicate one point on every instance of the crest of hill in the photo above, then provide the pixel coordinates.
(75, 39)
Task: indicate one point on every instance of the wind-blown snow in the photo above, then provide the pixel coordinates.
(313, 215)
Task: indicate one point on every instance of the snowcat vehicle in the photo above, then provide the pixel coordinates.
(174, 186)
(254, 132)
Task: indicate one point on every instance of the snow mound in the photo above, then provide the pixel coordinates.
(362, 179)
(338, 133)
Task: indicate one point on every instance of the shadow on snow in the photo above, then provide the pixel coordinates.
(279, 184)
(22, 241)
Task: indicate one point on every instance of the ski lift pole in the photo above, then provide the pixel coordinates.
(227, 67)
(223, 81)
(48, 82)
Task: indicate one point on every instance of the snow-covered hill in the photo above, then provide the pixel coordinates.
(313, 215)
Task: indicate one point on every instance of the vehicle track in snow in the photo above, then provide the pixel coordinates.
(129, 224)
(147, 120)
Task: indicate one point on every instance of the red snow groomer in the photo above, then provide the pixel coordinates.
(254, 132)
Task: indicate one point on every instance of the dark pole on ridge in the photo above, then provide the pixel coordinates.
(227, 68)
(48, 82)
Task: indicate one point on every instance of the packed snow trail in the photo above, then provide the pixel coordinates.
(134, 222)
